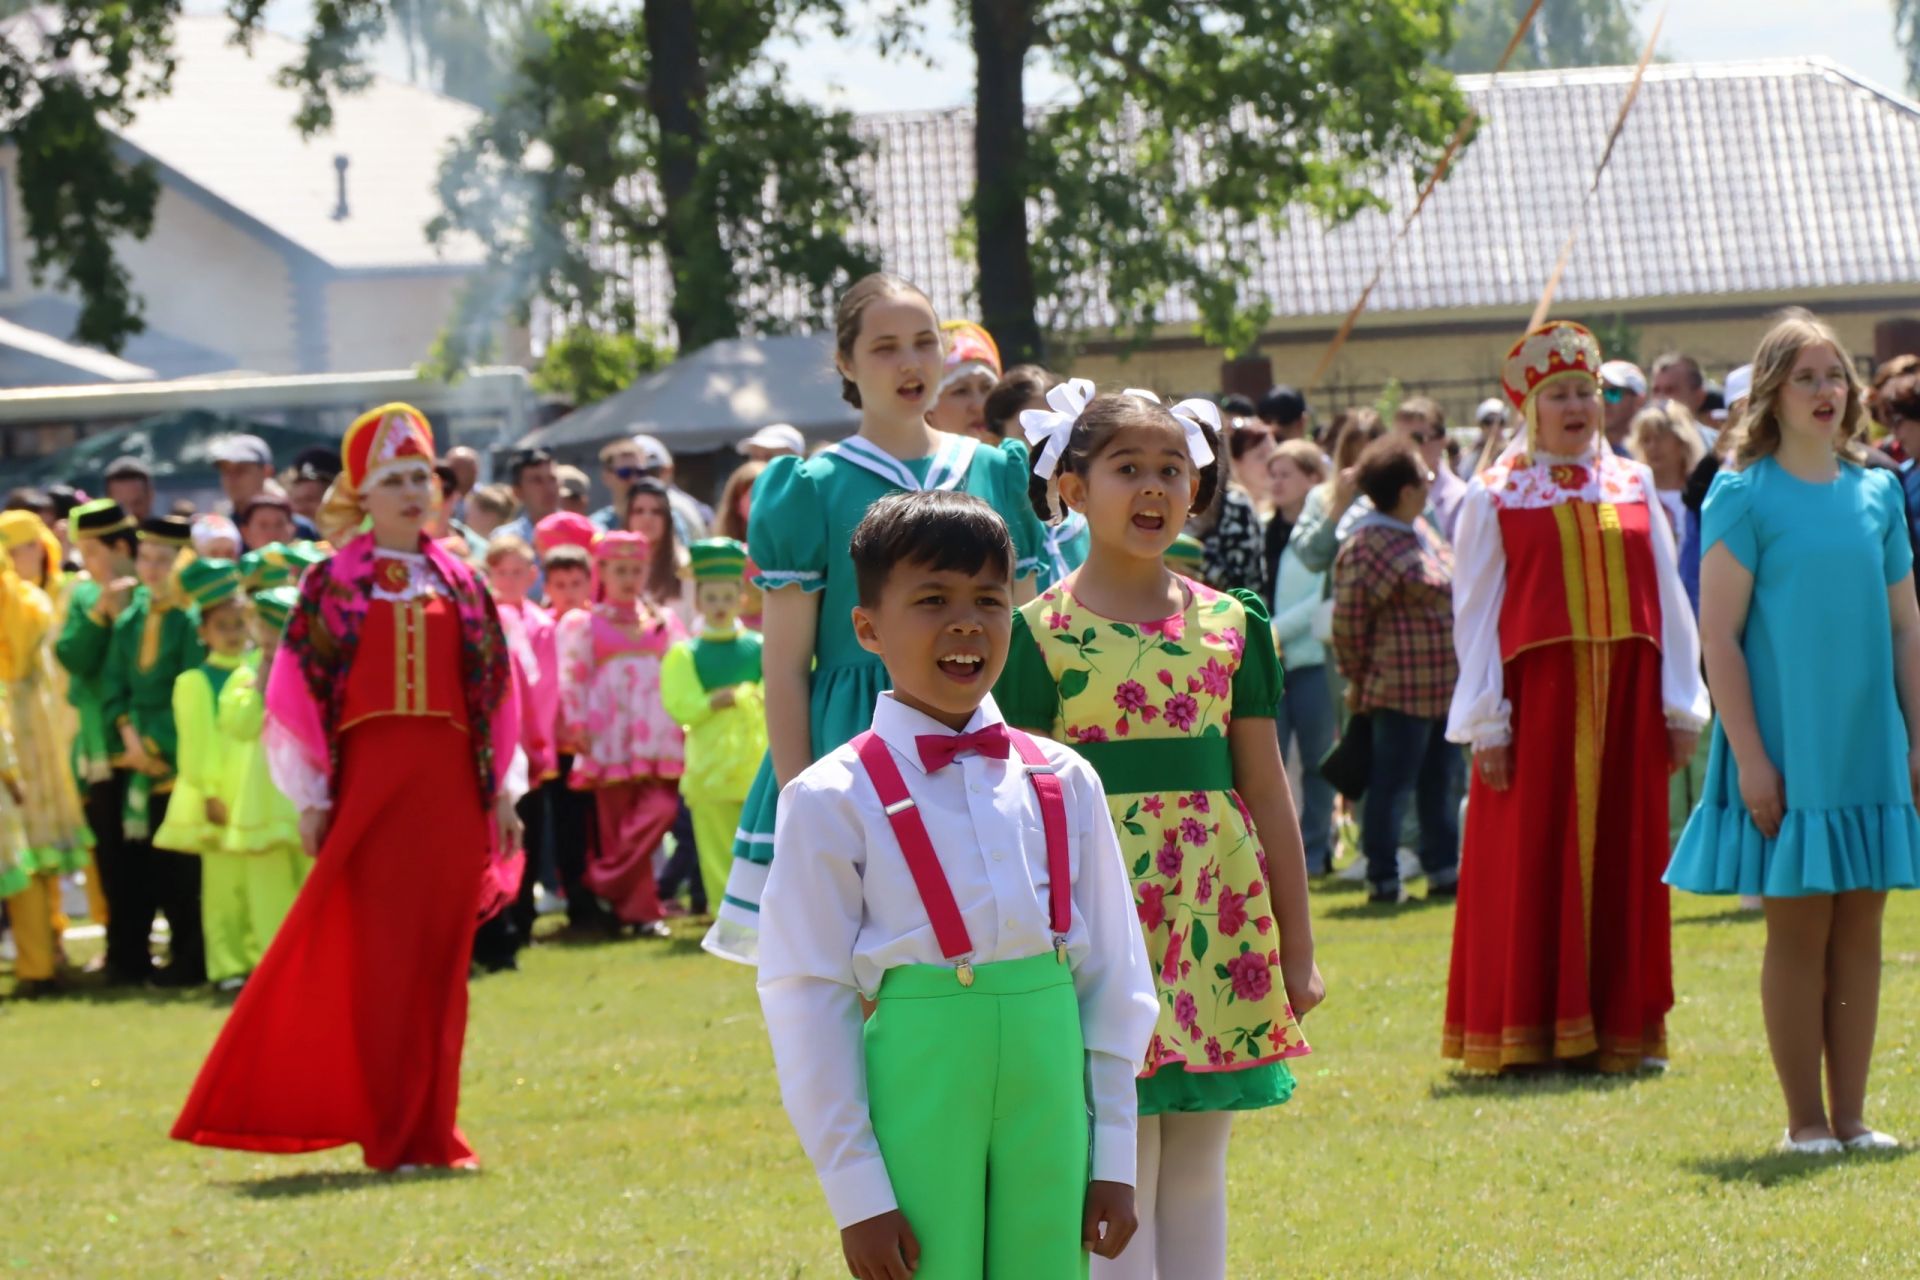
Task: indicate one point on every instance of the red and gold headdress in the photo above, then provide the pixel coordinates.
(379, 440)
(1556, 349)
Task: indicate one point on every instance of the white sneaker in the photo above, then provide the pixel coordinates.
(1811, 1147)
(547, 904)
(1353, 872)
(1410, 868)
(1873, 1140)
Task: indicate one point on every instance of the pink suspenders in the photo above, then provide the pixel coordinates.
(917, 847)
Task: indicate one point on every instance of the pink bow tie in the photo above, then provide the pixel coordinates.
(938, 750)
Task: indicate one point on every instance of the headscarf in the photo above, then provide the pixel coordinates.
(378, 441)
(20, 528)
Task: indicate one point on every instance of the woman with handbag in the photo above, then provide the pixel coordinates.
(1579, 690)
(1302, 625)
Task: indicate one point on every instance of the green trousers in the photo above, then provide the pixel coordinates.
(979, 1102)
(715, 823)
(243, 899)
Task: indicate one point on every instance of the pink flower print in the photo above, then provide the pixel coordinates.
(1153, 906)
(1170, 967)
(1233, 912)
(1203, 887)
(1193, 684)
(1186, 1010)
(1092, 733)
(1169, 859)
(1149, 713)
(1130, 696)
(1216, 679)
(1277, 1034)
(1198, 802)
(1170, 628)
(1264, 924)
(1235, 642)
(1121, 727)
(1059, 621)
(1181, 711)
(1166, 677)
(1153, 805)
(1193, 831)
(1252, 976)
(1215, 1054)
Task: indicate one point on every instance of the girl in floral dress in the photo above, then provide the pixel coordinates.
(1169, 689)
(625, 747)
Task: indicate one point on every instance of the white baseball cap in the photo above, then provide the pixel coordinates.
(779, 435)
(1491, 406)
(653, 454)
(1625, 375)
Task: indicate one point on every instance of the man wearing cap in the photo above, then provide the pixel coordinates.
(246, 473)
(777, 441)
(130, 483)
(307, 480)
(1285, 411)
(1624, 389)
(103, 533)
(154, 640)
(691, 517)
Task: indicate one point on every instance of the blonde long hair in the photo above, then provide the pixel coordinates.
(1673, 420)
(1758, 435)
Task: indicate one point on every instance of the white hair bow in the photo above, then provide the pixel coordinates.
(1048, 431)
(1191, 415)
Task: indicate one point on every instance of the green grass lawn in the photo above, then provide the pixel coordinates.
(622, 1099)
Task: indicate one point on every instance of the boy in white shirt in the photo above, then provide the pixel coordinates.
(917, 865)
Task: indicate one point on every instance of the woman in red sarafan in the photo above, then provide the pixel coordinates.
(393, 726)
(1579, 691)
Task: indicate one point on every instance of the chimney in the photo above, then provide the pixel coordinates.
(340, 188)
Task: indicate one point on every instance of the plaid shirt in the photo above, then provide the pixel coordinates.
(1393, 620)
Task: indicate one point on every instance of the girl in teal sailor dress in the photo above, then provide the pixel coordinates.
(802, 520)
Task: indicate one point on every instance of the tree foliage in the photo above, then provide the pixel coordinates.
(1567, 33)
(1194, 126)
(585, 365)
(617, 140)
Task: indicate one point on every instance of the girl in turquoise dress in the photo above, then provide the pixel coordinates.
(1812, 642)
(820, 684)
(1169, 689)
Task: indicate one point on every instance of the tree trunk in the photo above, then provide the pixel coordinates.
(704, 286)
(1002, 35)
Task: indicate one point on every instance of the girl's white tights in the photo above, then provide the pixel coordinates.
(1181, 1199)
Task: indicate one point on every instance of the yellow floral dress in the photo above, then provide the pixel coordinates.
(1148, 705)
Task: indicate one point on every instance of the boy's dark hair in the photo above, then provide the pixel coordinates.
(28, 498)
(1104, 418)
(1385, 470)
(938, 530)
(524, 460)
(1237, 406)
(568, 557)
(851, 312)
(1017, 386)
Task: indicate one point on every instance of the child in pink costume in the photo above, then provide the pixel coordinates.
(627, 749)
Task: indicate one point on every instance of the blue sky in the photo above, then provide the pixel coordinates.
(1858, 34)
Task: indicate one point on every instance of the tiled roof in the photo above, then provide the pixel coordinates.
(1730, 178)
(227, 128)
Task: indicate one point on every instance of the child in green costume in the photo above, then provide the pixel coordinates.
(950, 1131)
(711, 686)
(207, 761)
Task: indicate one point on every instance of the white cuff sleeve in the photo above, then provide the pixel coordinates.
(1116, 1111)
(1481, 714)
(1683, 690)
(513, 783)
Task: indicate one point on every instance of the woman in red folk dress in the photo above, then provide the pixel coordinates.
(393, 726)
(1579, 691)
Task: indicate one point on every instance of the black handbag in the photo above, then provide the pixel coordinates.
(1350, 763)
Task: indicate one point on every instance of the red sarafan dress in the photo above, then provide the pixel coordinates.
(351, 1031)
(1577, 646)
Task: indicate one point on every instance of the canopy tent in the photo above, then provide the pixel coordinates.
(175, 446)
(717, 396)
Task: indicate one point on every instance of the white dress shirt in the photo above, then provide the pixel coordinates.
(1481, 714)
(841, 908)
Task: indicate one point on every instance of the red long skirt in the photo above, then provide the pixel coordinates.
(352, 1028)
(1562, 946)
(633, 818)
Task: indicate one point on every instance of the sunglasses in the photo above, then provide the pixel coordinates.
(635, 473)
(1613, 395)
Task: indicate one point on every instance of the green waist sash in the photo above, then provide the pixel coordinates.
(1160, 764)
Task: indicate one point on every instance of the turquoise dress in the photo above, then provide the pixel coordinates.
(1821, 665)
(1065, 551)
(802, 521)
